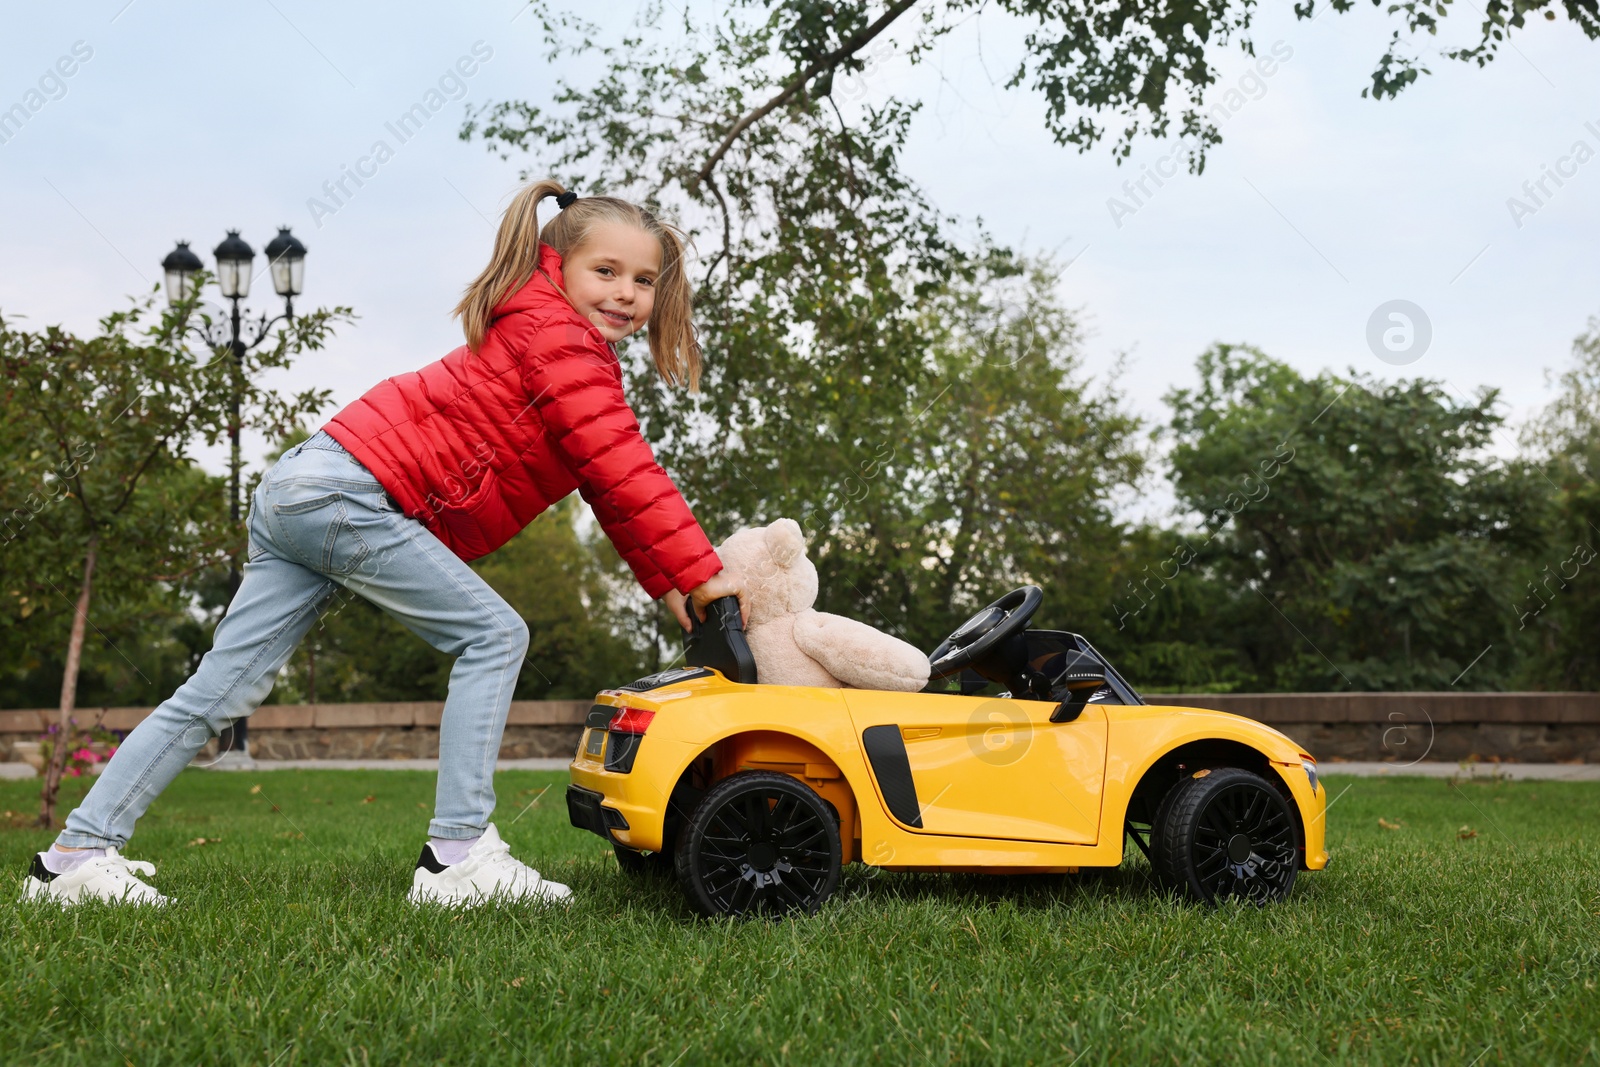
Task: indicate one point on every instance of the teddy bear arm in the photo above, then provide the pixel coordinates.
(860, 656)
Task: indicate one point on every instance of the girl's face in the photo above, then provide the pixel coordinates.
(611, 278)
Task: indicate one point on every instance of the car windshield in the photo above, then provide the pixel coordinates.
(1043, 646)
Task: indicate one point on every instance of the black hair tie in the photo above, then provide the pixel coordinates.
(566, 200)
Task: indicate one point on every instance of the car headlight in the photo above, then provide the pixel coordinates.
(1311, 773)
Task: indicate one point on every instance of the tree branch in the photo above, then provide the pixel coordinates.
(844, 137)
(160, 447)
(727, 235)
(798, 82)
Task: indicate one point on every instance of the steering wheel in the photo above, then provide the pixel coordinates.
(985, 631)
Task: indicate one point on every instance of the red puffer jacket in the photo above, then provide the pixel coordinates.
(476, 445)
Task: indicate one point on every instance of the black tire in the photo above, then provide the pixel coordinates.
(1224, 835)
(643, 864)
(1158, 865)
(759, 843)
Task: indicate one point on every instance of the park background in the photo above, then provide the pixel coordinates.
(965, 355)
(997, 359)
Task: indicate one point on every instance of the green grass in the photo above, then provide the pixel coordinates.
(292, 943)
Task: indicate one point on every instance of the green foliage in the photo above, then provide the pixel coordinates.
(148, 632)
(934, 462)
(1165, 629)
(1397, 69)
(1559, 607)
(112, 417)
(1141, 65)
(95, 435)
(1121, 70)
(87, 746)
(911, 392)
(853, 379)
(1360, 535)
(916, 402)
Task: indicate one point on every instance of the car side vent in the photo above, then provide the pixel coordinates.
(886, 751)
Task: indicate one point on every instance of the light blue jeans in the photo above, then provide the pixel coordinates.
(320, 520)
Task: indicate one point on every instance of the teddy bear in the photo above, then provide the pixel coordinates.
(795, 645)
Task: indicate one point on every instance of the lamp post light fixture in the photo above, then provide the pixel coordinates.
(234, 257)
(235, 262)
(180, 266)
(287, 257)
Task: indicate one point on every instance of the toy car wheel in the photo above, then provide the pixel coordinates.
(1226, 834)
(759, 843)
(1159, 868)
(643, 864)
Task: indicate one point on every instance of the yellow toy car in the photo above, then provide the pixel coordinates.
(755, 796)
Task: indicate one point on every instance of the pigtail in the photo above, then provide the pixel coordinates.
(673, 344)
(516, 256)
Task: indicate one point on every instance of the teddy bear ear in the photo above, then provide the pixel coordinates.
(785, 541)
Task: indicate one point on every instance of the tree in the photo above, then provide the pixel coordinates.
(987, 462)
(830, 290)
(1559, 605)
(1143, 64)
(1361, 536)
(112, 418)
(822, 262)
(1167, 623)
(917, 402)
(148, 633)
(1098, 65)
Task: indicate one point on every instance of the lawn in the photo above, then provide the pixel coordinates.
(1458, 924)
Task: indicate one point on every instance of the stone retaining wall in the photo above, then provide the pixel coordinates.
(1406, 727)
(534, 728)
(1402, 727)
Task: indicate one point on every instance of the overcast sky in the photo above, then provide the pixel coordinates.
(180, 120)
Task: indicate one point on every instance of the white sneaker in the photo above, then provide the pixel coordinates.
(489, 873)
(110, 877)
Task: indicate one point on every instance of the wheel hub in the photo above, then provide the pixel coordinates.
(760, 843)
(762, 855)
(1242, 838)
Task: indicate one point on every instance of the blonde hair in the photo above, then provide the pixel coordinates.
(673, 345)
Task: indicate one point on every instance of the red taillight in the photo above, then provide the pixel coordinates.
(631, 721)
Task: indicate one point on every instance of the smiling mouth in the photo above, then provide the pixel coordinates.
(616, 318)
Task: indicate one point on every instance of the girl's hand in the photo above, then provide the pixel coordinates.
(716, 587)
(675, 602)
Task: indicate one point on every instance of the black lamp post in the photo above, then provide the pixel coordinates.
(286, 258)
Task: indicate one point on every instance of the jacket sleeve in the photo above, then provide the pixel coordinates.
(579, 397)
(650, 577)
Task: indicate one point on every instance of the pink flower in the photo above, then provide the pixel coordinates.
(75, 772)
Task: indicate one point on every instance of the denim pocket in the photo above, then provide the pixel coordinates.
(319, 529)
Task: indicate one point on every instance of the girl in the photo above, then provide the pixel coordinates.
(401, 488)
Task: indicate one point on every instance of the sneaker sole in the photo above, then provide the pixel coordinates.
(478, 900)
(35, 890)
